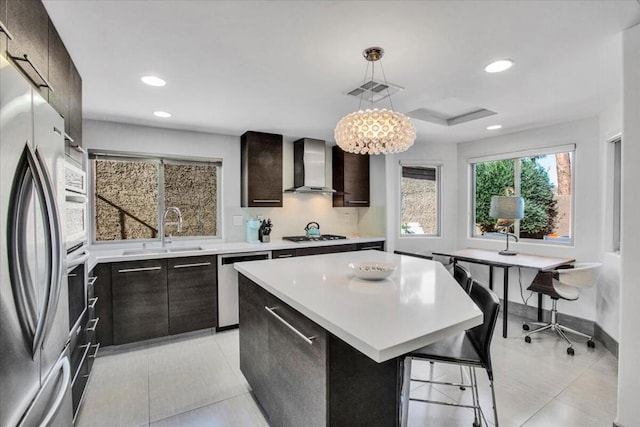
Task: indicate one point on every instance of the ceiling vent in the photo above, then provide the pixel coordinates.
(374, 91)
(450, 112)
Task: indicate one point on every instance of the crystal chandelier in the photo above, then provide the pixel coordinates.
(375, 131)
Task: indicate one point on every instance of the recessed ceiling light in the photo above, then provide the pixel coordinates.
(162, 114)
(153, 81)
(499, 66)
(494, 127)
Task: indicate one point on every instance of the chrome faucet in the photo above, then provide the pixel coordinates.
(164, 222)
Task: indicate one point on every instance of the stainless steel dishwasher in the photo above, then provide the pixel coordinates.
(228, 286)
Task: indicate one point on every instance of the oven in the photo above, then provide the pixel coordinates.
(75, 208)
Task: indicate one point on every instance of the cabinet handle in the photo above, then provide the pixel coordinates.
(272, 310)
(57, 131)
(32, 65)
(266, 200)
(95, 353)
(134, 270)
(92, 280)
(93, 301)
(95, 324)
(285, 256)
(369, 247)
(358, 202)
(4, 29)
(197, 264)
(84, 356)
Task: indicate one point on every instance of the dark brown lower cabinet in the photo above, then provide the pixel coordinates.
(300, 380)
(101, 277)
(140, 303)
(319, 250)
(191, 284)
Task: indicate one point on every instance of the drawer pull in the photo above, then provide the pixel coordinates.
(266, 200)
(197, 264)
(4, 29)
(135, 270)
(272, 310)
(358, 202)
(93, 327)
(82, 359)
(369, 247)
(57, 131)
(285, 256)
(93, 302)
(95, 353)
(92, 280)
(25, 58)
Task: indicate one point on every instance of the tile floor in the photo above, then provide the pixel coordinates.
(196, 381)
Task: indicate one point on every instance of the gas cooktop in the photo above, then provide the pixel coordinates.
(313, 238)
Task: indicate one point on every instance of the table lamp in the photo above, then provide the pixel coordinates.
(507, 208)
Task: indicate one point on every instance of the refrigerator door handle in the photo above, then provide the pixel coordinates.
(55, 236)
(63, 363)
(28, 178)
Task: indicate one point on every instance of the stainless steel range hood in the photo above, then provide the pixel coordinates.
(309, 167)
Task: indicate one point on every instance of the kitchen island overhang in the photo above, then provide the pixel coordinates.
(320, 347)
(419, 304)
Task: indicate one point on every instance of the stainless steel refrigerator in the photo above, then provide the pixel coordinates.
(35, 375)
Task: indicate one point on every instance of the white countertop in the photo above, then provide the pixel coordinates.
(419, 304)
(102, 253)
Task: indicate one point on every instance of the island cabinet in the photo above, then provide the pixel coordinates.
(140, 302)
(350, 179)
(303, 375)
(261, 169)
(192, 293)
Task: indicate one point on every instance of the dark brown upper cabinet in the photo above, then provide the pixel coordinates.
(350, 179)
(28, 22)
(261, 169)
(59, 68)
(3, 24)
(74, 122)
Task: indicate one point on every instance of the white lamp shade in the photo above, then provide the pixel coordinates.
(507, 207)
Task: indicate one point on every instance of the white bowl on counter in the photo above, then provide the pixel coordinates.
(372, 270)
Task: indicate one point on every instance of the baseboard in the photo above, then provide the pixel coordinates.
(609, 342)
(588, 327)
(123, 348)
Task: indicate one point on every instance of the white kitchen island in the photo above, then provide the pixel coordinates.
(321, 347)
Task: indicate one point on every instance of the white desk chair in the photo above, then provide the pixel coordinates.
(566, 285)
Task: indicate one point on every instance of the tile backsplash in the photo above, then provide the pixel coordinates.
(296, 212)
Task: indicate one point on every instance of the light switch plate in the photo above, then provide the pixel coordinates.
(237, 220)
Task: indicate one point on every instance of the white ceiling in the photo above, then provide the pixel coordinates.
(283, 66)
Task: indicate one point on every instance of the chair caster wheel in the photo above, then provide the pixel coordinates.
(475, 424)
(525, 326)
(527, 339)
(462, 388)
(570, 351)
(591, 344)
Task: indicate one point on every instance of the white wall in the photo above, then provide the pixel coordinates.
(297, 210)
(587, 199)
(628, 371)
(427, 154)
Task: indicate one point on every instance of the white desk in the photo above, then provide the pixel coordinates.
(418, 305)
(494, 259)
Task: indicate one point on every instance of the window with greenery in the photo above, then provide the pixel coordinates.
(419, 200)
(545, 182)
(131, 194)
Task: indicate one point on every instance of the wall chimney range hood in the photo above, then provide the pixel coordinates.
(309, 167)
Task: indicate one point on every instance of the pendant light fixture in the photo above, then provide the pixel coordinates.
(375, 131)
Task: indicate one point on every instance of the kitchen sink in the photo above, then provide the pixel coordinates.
(161, 250)
(185, 249)
(145, 251)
